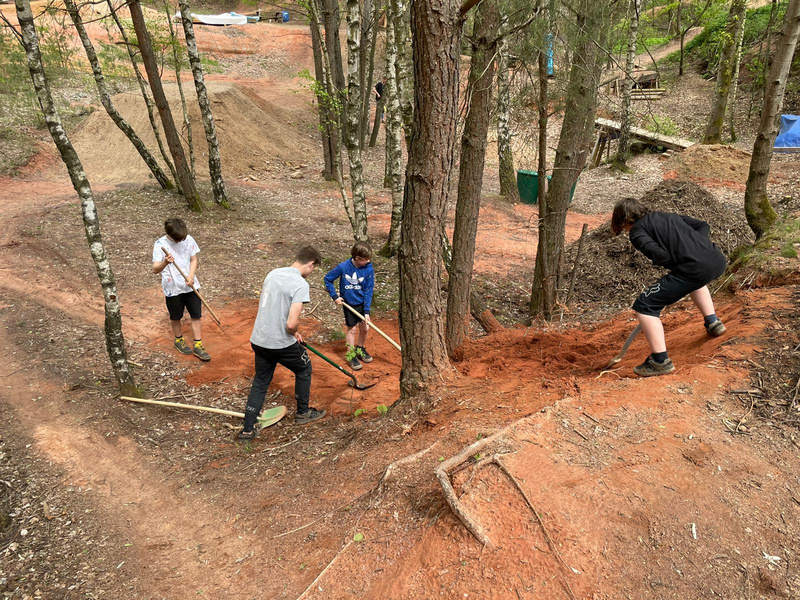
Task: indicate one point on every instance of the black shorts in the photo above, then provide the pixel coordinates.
(190, 301)
(667, 290)
(349, 318)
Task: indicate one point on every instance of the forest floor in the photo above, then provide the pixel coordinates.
(686, 486)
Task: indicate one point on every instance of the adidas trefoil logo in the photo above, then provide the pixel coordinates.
(353, 281)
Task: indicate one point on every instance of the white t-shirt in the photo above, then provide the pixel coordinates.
(172, 282)
(282, 288)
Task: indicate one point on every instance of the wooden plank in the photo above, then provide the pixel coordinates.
(667, 141)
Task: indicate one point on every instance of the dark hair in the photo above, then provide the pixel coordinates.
(361, 250)
(176, 229)
(626, 212)
(308, 254)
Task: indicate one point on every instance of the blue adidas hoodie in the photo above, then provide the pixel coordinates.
(355, 285)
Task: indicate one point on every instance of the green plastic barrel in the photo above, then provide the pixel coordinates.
(528, 186)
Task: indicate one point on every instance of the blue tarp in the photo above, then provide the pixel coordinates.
(789, 134)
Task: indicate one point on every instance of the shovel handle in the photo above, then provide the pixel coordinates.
(330, 362)
(191, 285)
(218, 411)
(375, 327)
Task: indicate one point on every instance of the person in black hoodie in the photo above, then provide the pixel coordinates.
(682, 245)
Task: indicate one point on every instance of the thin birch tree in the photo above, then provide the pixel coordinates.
(627, 87)
(508, 174)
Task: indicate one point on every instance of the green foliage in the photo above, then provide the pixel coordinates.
(358, 537)
(353, 352)
(662, 125)
(359, 412)
(789, 251)
(382, 409)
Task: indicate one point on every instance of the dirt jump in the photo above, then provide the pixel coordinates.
(583, 481)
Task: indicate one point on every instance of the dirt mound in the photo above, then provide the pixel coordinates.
(714, 165)
(613, 272)
(256, 136)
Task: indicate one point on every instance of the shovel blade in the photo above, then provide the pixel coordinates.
(361, 386)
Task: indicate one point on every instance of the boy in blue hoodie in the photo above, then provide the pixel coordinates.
(356, 282)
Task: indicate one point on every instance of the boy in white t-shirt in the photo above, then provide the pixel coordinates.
(180, 294)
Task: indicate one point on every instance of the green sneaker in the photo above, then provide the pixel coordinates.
(200, 352)
(182, 346)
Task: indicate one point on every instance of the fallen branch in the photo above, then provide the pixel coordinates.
(314, 583)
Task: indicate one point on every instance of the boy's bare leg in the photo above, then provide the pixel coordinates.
(177, 330)
(362, 333)
(654, 332)
(350, 336)
(702, 300)
(197, 329)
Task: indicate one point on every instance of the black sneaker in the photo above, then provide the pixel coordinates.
(246, 436)
(650, 367)
(365, 356)
(715, 329)
(312, 414)
(354, 363)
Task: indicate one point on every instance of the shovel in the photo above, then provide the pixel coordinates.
(372, 325)
(354, 383)
(265, 419)
(625, 346)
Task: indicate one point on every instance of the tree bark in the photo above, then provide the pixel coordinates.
(508, 174)
(436, 29)
(170, 131)
(353, 118)
(148, 101)
(394, 150)
(329, 170)
(405, 72)
(735, 82)
(105, 100)
(214, 160)
(573, 146)
(115, 342)
(368, 69)
(187, 122)
(470, 181)
(625, 128)
(760, 214)
(331, 20)
(716, 120)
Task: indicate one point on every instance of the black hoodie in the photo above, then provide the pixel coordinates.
(680, 244)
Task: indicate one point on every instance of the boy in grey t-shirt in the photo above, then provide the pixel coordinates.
(275, 339)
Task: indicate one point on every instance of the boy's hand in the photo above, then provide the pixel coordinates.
(339, 301)
(168, 258)
(298, 337)
(367, 319)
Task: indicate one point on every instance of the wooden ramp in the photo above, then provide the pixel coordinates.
(608, 130)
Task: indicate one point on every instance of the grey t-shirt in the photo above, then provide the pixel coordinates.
(282, 288)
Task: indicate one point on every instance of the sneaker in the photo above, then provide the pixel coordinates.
(200, 352)
(312, 414)
(715, 329)
(246, 436)
(182, 346)
(354, 363)
(365, 356)
(650, 367)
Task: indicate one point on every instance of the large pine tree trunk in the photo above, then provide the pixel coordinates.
(353, 119)
(436, 29)
(105, 100)
(508, 175)
(716, 120)
(394, 150)
(214, 160)
(329, 170)
(115, 342)
(170, 131)
(148, 101)
(630, 60)
(759, 212)
(573, 146)
(470, 182)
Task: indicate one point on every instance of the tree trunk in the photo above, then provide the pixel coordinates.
(331, 20)
(170, 131)
(353, 118)
(713, 134)
(405, 73)
(760, 214)
(147, 100)
(735, 82)
(625, 129)
(105, 100)
(573, 146)
(394, 150)
(214, 160)
(187, 122)
(436, 29)
(470, 181)
(508, 175)
(329, 171)
(115, 342)
(682, 35)
(368, 73)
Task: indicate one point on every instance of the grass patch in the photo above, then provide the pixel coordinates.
(16, 149)
(767, 256)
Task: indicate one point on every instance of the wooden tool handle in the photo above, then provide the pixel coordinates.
(194, 289)
(371, 324)
(218, 411)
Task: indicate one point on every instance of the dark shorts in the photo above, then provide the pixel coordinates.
(190, 301)
(667, 290)
(349, 318)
